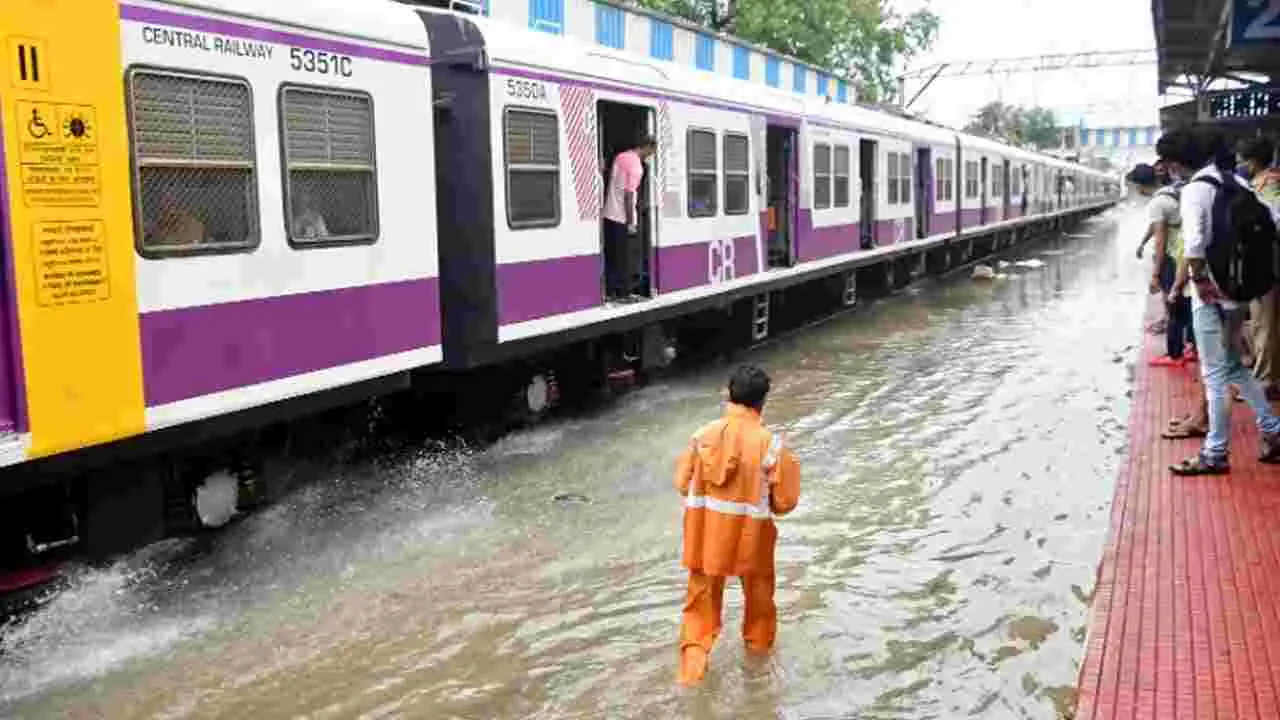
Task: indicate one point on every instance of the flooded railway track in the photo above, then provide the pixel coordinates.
(959, 440)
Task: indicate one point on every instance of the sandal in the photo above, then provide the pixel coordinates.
(1269, 452)
(1196, 466)
(1183, 432)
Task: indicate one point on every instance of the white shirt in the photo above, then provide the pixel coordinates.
(1197, 221)
(1163, 207)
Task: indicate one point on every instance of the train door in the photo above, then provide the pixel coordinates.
(1006, 170)
(1024, 200)
(983, 193)
(622, 127)
(780, 169)
(867, 150)
(924, 191)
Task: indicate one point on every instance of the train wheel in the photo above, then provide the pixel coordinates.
(216, 499)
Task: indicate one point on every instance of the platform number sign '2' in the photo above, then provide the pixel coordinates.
(720, 261)
(1255, 22)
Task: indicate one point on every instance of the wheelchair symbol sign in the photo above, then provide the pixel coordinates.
(36, 126)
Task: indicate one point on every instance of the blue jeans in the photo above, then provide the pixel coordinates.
(1220, 366)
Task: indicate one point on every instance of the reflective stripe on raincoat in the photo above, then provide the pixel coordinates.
(735, 476)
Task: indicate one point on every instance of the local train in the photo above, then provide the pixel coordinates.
(216, 208)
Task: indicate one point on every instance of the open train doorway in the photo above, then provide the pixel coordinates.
(626, 268)
(780, 166)
(867, 150)
(1006, 187)
(924, 194)
(985, 193)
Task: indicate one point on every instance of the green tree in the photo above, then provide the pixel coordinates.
(1035, 126)
(863, 37)
(1040, 128)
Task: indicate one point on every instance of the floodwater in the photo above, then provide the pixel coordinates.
(960, 443)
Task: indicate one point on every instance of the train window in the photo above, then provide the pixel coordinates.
(1015, 180)
(737, 169)
(842, 176)
(997, 185)
(532, 142)
(945, 182)
(703, 174)
(194, 163)
(971, 179)
(330, 181)
(899, 178)
(894, 175)
(821, 176)
(904, 179)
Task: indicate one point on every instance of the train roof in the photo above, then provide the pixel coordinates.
(395, 23)
(388, 23)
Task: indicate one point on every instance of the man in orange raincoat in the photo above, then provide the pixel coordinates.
(735, 476)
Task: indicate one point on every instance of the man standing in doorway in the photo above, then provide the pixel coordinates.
(622, 216)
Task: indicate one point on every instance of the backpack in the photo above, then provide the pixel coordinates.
(1242, 253)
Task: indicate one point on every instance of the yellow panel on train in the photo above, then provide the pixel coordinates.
(66, 168)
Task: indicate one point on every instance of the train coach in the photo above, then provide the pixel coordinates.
(221, 213)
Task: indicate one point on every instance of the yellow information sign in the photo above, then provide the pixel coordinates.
(59, 154)
(71, 262)
(70, 220)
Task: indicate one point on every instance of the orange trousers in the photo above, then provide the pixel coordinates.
(701, 624)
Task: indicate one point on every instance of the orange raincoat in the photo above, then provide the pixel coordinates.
(735, 476)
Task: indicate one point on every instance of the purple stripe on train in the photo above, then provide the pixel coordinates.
(815, 243)
(196, 351)
(542, 288)
(892, 232)
(970, 217)
(200, 23)
(943, 223)
(685, 266)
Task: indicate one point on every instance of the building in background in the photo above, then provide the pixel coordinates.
(1109, 142)
(627, 27)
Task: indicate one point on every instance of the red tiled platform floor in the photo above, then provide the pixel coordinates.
(1186, 616)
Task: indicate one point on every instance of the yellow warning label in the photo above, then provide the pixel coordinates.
(71, 262)
(59, 154)
(60, 185)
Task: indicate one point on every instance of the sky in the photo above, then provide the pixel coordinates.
(984, 29)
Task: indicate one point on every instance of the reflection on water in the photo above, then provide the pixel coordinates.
(959, 443)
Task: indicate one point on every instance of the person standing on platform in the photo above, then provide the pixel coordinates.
(1165, 227)
(1255, 161)
(735, 476)
(622, 218)
(1218, 321)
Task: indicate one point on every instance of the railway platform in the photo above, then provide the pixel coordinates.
(1186, 613)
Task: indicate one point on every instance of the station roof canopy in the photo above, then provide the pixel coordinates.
(1198, 41)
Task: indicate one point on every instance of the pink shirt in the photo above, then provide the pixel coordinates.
(624, 178)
